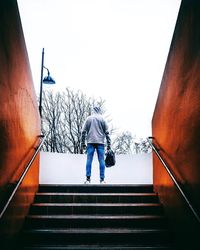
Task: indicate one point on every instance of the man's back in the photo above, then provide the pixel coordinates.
(95, 127)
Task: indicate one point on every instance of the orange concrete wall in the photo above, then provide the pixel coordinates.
(176, 123)
(19, 116)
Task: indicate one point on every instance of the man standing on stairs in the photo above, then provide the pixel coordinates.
(95, 131)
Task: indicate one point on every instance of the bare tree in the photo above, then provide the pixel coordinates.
(63, 116)
(125, 143)
(51, 120)
(145, 147)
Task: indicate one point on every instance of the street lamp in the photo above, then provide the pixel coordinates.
(46, 80)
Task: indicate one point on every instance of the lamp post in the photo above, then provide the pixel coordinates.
(46, 80)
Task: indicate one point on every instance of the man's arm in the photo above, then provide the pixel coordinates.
(83, 135)
(108, 140)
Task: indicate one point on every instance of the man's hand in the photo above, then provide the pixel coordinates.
(108, 147)
(83, 146)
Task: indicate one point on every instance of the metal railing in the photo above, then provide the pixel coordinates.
(22, 176)
(155, 149)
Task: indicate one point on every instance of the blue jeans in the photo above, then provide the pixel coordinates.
(100, 153)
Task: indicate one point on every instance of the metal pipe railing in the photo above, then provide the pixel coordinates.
(173, 178)
(22, 176)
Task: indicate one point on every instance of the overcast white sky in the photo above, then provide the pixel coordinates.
(113, 49)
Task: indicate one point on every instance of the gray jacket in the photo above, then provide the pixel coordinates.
(95, 129)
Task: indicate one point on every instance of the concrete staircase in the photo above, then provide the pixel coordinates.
(96, 217)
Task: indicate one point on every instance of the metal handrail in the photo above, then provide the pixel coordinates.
(173, 178)
(23, 175)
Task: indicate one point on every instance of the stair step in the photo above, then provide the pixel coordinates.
(96, 217)
(98, 247)
(75, 221)
(96, 188)
(96, 208)
(95, 197)
(96, 236)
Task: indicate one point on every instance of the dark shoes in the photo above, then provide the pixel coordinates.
(87, 180)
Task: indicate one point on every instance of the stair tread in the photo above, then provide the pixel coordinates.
(92, 188)
(96, 216)
(96, 230)
(98, 247)
(98, 204)
(96, 194)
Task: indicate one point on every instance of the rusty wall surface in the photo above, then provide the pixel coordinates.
(19, 116)
(176, 121)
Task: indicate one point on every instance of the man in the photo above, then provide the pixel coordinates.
(95, 131)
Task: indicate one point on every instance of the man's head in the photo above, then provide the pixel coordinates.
(97, 110)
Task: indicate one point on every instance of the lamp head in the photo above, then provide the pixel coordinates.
(48, 79)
